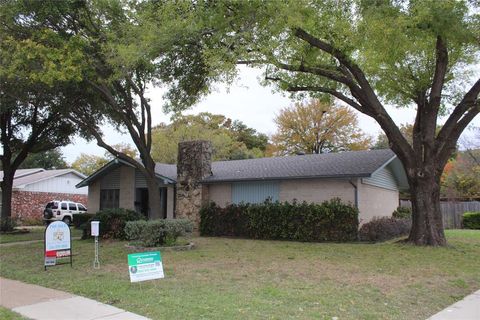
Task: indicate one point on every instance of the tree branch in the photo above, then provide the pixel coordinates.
(440, 72)
(319, 72)
(470, 104)
(370, 104)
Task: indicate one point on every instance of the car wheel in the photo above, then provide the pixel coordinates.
(67, 220)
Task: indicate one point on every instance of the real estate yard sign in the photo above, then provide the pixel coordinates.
(57, 243)
(145, 266)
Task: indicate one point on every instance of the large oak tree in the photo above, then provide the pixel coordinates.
(371, 54)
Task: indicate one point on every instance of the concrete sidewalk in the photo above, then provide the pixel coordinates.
(466, 309)
(39, 303)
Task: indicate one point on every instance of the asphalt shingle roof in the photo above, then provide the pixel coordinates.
(166, 170)
(23, 172)
(329, 165)
(29, 176)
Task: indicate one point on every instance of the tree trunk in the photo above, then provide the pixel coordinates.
(154, 201)
(427, 224)
(7, 187)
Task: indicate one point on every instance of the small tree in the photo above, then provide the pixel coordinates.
(317, 127)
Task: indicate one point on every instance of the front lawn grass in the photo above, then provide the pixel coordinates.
(6, 314)
(34, 233)
(251, 279)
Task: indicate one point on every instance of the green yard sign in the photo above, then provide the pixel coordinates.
(145, 266)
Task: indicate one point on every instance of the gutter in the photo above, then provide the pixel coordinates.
(355, 192)
(338, 176)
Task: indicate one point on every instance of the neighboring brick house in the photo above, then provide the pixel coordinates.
(370, 180)
(34, 188)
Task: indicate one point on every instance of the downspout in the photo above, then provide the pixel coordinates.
(175, 201)
(355, 192)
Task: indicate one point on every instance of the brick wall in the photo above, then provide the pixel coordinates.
(26, 204)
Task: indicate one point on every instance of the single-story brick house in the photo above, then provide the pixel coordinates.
(370, 180)
(34, 188)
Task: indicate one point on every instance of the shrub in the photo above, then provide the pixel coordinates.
(330, 221)
(384, 228)
(402, 213)
(8, 224)
(157, 232)
(32, 221)
(80, 220)
(471, 220)
(112, 221)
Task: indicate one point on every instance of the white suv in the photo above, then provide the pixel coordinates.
(63, 210)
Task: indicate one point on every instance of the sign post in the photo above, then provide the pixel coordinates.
(95, 231)
(145, 266)
(57, 243)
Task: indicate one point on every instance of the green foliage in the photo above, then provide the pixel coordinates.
(471, 220)
(50, 159)
(402, 213)
(384, 228)
(330, 221)
(231, 141)
(112, 221)
(7, 224)
(88, 164)
(81, 220)
(157, 232)
(249, 136)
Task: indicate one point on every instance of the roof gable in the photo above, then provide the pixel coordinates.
(25, 180)
(167, 172)
(23, 172)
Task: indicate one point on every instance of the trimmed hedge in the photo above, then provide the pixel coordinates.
(112, 221)
(384, 228)
(330, 221)
(157, 232)
(471, 220)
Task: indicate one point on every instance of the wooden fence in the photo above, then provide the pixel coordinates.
(452, 211)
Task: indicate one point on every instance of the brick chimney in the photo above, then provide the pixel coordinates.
(194, 163)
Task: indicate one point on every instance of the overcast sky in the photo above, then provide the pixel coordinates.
(245, 100)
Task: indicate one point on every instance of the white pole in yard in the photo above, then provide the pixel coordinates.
(95, 232)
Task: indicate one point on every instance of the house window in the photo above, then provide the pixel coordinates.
(109, 198)
(255, 192)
